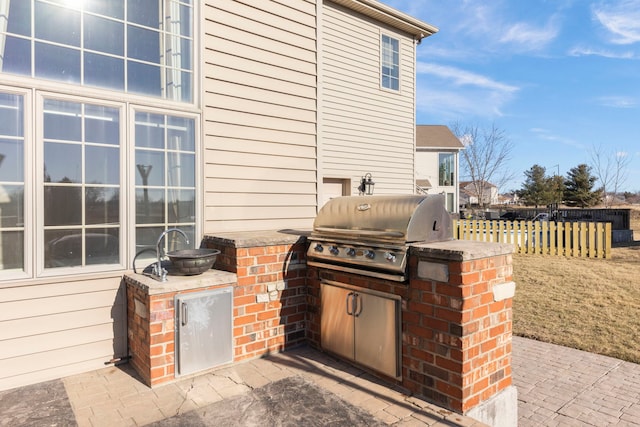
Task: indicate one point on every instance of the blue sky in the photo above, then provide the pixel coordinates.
(559, 77)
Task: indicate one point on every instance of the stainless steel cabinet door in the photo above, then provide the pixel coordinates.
(204, 330)
(376, 333)
(336, 325)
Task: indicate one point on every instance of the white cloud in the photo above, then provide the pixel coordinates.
(547, 135)
(618, 101)
(459, 77)
(449, 93)
(621, 19)
(526, 36)
(585, 51)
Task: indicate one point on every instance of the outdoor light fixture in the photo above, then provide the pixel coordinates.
(366, 185)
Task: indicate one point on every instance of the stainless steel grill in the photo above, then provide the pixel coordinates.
(370, 235)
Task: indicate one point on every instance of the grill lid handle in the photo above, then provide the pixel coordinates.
(351, 232)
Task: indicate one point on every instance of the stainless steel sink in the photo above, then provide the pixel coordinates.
(191, 262)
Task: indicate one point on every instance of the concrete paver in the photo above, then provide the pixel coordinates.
(557, 386)
(563, 386)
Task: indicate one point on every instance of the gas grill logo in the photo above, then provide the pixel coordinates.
(364, 207)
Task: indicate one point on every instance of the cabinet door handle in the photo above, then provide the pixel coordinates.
(346, 302)
(358, 305)
(185, 314)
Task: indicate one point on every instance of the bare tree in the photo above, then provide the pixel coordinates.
(610, 166)
(485, 157)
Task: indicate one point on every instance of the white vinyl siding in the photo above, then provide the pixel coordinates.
(259, 109)
(51, 330)
(365, 128)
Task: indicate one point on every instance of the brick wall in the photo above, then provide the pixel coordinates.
(457, 330)
(269, 307)
(151, 334)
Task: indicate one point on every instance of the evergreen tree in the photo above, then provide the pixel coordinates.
(579, 187)
(536, 189)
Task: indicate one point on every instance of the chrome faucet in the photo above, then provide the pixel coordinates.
(157, 272)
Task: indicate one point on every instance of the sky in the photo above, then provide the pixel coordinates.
(561, 78)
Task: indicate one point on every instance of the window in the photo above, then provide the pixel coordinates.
(12, 182)
(86, 180)
(165, 183)
(450, 206)
(81, 184)
(446, 167)
(390, 63)
(142, 47)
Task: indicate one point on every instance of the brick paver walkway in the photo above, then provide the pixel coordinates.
(557, 386)
(113, 397)
(560, 386)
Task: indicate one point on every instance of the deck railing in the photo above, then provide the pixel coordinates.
(571, 239)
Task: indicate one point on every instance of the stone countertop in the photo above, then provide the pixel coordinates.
(180, 283)
(461, 250)
(247, 239)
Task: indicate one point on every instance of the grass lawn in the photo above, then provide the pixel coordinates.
(588, 304)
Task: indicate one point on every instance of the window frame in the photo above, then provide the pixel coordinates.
(449, 155)
(142, 260)
(32, 89)
(166, 34)
(41, 270)
(29, 205)
(382, 62)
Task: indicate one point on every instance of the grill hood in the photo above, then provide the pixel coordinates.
(397, 219)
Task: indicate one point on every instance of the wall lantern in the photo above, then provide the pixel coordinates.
(366, 185)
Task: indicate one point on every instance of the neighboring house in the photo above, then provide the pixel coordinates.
(437, 152)
(509, 199)
(206, 115)
(469, 195)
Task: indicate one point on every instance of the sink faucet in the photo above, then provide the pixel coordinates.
(157, 271)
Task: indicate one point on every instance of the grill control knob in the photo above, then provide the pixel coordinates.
(318, 247)
(369, 254)
(334, 250)
(351, 252)
(391, 257)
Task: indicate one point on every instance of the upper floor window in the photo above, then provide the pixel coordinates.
(446, 168)
(390, 62)
(143, 47)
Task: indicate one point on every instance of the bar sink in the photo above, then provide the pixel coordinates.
(190, 262)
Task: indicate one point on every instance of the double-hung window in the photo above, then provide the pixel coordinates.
(88, 177)
(390, 62)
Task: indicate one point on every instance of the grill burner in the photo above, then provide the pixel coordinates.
(369, 235)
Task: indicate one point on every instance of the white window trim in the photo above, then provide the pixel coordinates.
(395, 37)
(41, 271)
(29, 206)
(131, 169)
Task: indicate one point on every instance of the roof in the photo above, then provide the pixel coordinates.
(436, 136)
(390, 16)
(423, 183)
(465, 184)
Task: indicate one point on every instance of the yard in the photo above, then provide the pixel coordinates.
(588, 304)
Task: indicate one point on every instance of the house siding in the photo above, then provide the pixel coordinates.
(259, 114)
(51, 330)
(365, 129)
